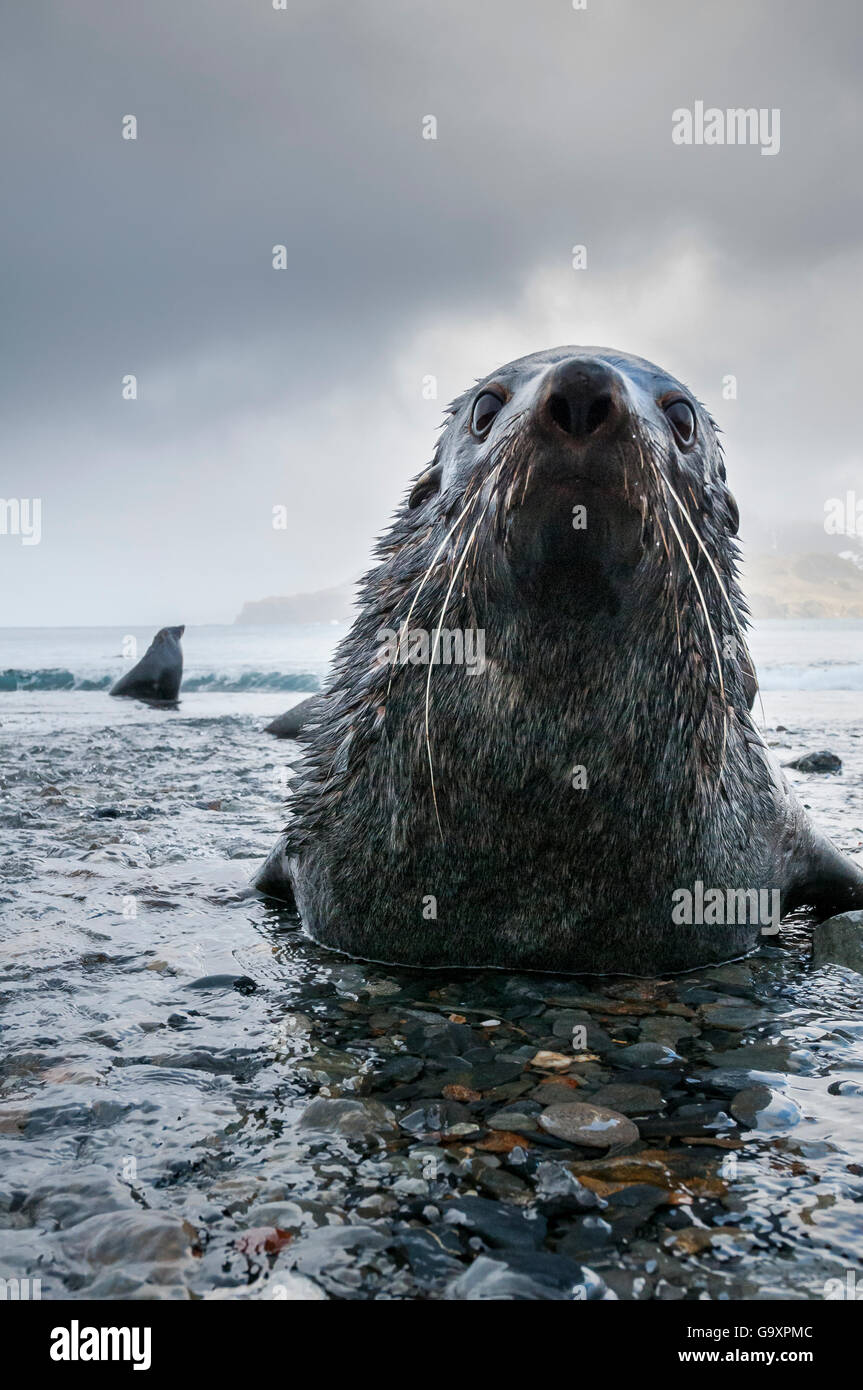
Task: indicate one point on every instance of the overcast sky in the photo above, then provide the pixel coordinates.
(406, 258)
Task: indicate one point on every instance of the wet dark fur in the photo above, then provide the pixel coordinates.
(599, 654)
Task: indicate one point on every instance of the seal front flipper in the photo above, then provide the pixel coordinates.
(274, 877)
(826, 879)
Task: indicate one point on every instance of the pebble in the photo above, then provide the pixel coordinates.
(514, 1121)
(134, 1238)
(242, 983)
(560, 1091)
(666, 1031)
(432, 1255)
(497, 1182)
(735, 1017)
(585, 1235)
(353, 1118)
(496, 1223)
(543, 1277)
(645, 1054)
(823, 761)
(287, 1216)
(759, 1107)
(560, 1189)
(839, 941)
(845, 1088)
(629, 1100)
(591, 1126)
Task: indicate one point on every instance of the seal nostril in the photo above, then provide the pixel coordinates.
(580, 417)
(597, 413)
(560, 413)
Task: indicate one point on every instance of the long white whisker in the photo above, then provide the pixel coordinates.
(704, 609)
(435, 640)
(431, 566)
(709, 558)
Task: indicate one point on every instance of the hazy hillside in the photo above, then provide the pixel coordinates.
(322, 606)
(810, 585)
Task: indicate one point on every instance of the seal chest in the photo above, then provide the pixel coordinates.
(537, 737)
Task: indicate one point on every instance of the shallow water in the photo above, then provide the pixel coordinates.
(164, 1038)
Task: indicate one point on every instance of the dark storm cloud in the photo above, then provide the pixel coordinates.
(303, 127)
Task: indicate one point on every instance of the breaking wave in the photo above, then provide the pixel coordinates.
(834, 676)
(221, 682)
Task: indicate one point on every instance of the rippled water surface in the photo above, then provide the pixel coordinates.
(196, 1101)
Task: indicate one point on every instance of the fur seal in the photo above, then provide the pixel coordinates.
(548, 811)
(158, 674)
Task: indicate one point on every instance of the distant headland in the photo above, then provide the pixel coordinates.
(804, 585)
(322, 606)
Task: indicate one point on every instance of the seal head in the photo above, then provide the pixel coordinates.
(545, 807)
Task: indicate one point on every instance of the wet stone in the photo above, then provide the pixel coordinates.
(759, 1107)
(438, 1039)
(595, 1038)
(703, 1112)
(242, 983)
(495, 1223)
(584, 1236)
(482, 1076)
(518, 1120)
(734, 1017)
(767, 1057)
(666, 1031)
(845, 1088)
(727, 1081)
(726, 1241)
(397, 1069)
(822, 761)
(629, 1099)
(560, 1091)
(497, 1182)
(432, 1255)
(558, 1189)
(588, 1125)
(447, 1116)
(131, 1238)
(839, 941)
(645, 1054)
(519, 1277)
(286, 1216)
(348, 1117)
(66, 1200)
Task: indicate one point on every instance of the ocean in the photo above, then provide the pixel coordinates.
(805, 655)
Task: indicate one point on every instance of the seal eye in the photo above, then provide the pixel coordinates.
(485, 407)
(681, 417)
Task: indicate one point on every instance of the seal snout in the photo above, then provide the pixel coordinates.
(583, 399)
